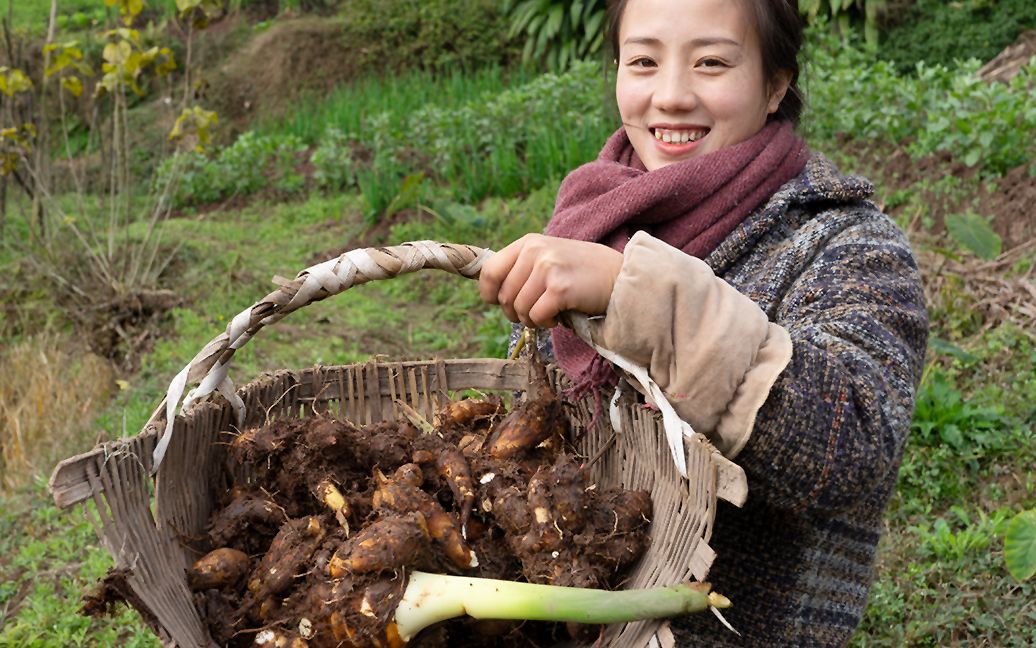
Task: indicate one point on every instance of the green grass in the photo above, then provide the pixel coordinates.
(32, 16)
(348, 108)
(48, 559)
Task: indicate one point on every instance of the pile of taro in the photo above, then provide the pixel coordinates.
(332, 517)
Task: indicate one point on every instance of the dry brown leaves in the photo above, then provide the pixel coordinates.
(996, 291)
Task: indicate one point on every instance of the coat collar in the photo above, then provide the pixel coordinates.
(819, 185)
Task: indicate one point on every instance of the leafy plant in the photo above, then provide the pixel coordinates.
(974, 533)
(941, 33)
(845, 13)
(332, 160)
(440, 35)
(974, 233)
(942, 416)
(934, 109)
(559, 32)
(1020, 546)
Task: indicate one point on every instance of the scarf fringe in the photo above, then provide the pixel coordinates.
(598, 376)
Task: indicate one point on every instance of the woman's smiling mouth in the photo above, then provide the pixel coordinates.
(679, 136)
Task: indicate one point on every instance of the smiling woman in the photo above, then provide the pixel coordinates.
(780, 311)
(691, 83)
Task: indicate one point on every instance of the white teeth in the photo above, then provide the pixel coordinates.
(679, 137)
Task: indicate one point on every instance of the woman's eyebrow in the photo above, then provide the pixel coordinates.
(704, 41)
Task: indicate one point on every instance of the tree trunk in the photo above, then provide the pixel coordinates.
(42, 157)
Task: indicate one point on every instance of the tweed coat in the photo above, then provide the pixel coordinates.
(823, 262)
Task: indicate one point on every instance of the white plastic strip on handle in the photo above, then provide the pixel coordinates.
(675, 427)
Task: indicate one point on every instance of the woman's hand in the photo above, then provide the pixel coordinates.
(537, 277)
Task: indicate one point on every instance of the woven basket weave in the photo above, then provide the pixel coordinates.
(143, 518)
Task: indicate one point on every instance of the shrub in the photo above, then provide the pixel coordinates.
(934, 109)
(396, 35)
(332, 160)
(253, 163)
(939, 32)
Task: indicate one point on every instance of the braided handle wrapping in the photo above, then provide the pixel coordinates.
(315, 283)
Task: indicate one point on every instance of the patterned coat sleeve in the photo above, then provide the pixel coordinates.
(834, 425)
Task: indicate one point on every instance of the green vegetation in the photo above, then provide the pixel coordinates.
(478, 142)
(49, 557)
(33, 15)
(954, 31)
(559, 32)
(937, 108)
(475, 156)
(394, 35)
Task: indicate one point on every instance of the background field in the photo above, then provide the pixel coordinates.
(340, 129)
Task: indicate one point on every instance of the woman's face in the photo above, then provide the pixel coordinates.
(690, 78)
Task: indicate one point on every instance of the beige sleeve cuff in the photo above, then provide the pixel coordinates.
(710, 348)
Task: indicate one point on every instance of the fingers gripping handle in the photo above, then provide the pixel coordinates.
(312, 284)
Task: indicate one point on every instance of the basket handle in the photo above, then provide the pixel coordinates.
(210, 366)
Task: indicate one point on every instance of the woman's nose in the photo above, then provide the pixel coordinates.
(675, 91)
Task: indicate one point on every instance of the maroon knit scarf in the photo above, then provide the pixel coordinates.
(692, 205)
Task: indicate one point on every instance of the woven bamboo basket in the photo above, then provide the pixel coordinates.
(143, 514)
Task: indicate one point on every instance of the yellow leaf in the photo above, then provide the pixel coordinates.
(132, 35)
(133, 64)
(111, 52)
(123, 384)
(13, 81)
(73, 85)
(84, 69)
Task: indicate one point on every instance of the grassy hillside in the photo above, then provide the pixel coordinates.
(476, 157)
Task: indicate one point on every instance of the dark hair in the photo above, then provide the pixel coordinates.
(780, 38)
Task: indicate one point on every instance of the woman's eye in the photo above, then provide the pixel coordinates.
(642, 62)
(712, 63)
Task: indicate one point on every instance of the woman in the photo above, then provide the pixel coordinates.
(781, 312)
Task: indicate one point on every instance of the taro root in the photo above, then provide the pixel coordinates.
(383, 546)
(248, 523)
(530, 424)
(343, 525)
(401, 495)
(287, 557)
(218, 569)
(469, 413)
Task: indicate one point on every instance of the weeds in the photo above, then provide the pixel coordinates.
(478, 145)
(48, 391)
(935, 109)
(50, 558)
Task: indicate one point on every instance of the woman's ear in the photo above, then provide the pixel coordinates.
(778, 88)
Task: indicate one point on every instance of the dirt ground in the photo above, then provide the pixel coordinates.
(277, 67)
(1010, 200)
